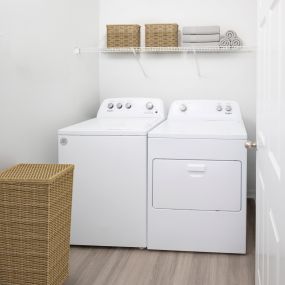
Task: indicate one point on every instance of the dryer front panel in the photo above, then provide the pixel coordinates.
(205, 185)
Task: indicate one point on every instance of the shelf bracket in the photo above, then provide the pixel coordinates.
(197, 63)
(139, 62)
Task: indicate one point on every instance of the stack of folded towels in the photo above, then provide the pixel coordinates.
(230, 39)
(203, 36)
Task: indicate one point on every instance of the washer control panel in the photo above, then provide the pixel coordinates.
(205, 110)
(132, 107)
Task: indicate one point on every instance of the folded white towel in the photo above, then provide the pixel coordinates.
(225, 42)
(201, 30)
(206, 44)
(231, 34)
(200, 38)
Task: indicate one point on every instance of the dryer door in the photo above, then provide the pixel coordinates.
(197, 185)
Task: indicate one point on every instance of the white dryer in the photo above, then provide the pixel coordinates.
(197, 179)
(110, 178)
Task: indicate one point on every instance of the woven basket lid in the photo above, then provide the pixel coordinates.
(34, 173)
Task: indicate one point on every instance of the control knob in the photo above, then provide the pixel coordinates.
(128, 105)
(110, 106)
(183, 108)
(219, 108)
(149, 106)
(119, 106)
(229, 108)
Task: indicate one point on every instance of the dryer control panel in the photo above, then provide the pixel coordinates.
(131, 108)
(208, 110)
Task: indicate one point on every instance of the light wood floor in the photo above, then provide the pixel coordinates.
(116, 266)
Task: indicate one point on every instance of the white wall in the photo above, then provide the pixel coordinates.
(170, 77)
(43, 86)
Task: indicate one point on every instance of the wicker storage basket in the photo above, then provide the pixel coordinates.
(35, 212)
(161, 35)
(119, 36)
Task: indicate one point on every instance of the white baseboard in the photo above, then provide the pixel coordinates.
(251, 194)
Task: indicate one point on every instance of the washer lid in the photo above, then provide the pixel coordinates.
(112, 127)
(200, 130)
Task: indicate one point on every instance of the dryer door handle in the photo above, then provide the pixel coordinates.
(196, 167)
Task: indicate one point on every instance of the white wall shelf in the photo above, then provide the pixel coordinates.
(164, 50)
(206, 49)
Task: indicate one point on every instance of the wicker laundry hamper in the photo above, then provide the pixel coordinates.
(161, 35)
(120, 36)
(35, 213)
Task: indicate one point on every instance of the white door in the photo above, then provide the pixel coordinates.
(270, 200)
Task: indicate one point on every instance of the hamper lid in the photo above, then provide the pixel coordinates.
(34, 173)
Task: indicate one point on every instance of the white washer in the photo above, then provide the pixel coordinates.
(110, 178)
(197, 179)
